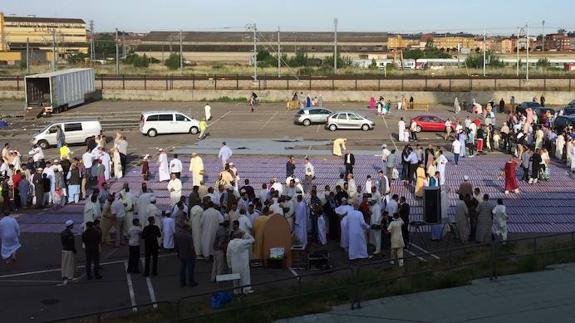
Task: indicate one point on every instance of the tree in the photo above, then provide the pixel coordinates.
(173, 61)
(77, 58)
(373, 65)
(104, 46)
(476, 60)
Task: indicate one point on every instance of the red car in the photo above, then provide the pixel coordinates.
(430, 123)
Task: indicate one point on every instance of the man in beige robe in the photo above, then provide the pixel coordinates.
(196, 169)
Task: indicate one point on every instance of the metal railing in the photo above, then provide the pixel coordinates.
(371, 82)
(362, 280)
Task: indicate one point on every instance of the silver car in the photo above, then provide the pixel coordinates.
(309, 116)
(348, 120)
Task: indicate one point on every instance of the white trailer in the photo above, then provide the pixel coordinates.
(58, 91)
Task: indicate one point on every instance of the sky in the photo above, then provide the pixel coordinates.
(405, 16)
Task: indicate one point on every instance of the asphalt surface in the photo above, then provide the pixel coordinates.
(30, 289)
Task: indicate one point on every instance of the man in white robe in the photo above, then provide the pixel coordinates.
(211, 219)
(176, 166)
(10, 237)
(168, 232)
(342, 211)
(107, 162)
(300, 225)
(321, 230)
(163, 167)
(196, 169)
(356, 230)
(196, 213)
(397, 243)
(238, 256)
(92, 210)
(142, 204)
(153, 210)
(375, 230)
(208, 111)
(245, 223)
(225, 154)
(175, 189)
(401, 130)
(441, 164)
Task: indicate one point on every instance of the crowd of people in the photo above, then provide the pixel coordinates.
(224, 223)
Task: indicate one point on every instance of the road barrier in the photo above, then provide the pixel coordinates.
(313, 83)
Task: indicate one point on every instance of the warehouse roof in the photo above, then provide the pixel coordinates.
(40, 19)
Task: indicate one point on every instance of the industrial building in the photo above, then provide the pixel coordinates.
(40, 35)
(237, 47)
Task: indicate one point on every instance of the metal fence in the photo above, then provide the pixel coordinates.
(358, 282)
(315, 83)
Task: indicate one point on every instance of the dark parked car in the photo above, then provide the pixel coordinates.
(568, 111)
(562, 122)
(540, 110)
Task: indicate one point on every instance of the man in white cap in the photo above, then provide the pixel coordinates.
(465, 188)
(153, 210)
(176, 166)
(225, 154)
(68, 252)
(175, 189)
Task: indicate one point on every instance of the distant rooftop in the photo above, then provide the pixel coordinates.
(44, 20)
(246, 36)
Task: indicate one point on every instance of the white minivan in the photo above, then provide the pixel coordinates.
(75, 132)
(161, 122)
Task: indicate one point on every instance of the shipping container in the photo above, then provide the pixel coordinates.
(55, 92)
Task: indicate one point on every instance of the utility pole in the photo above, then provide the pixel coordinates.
(484, 54)
(335, 46)
(253, 28)
(53, 50)
(27, 55)
(92, 51)
(117, 54)
(279, 54)
(543, 36)
(181, 54)
(517, 47)
(527, 38)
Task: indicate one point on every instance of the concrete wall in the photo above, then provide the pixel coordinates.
(423, 97)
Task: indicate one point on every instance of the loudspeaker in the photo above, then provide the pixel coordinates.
(432, 205)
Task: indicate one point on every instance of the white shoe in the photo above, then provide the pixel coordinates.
(506, 192)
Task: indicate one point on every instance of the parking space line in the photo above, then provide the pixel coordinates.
(390, 135)
(413, 254)
(317, 129)
(150, 288)
(293, 271)
(29, 281)
(270, 119)
(427, 252)
(130, 288)
(220, 118)
(26, 273)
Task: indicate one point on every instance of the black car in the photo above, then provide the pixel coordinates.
(562, 122)
(536, 107)
(568, 111)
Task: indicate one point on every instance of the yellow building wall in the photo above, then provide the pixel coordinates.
(10, 56)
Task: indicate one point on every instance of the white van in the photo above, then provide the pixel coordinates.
(161, 122)
(75, 132)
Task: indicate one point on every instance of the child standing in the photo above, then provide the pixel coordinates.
(146, 168)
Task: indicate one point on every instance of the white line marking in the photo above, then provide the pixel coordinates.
(220, 118)
(150, 288)
(81, 266)
(317, 129)
(427, 252)
(293, 272)
(130, 288)
(418, 257)
(270, 119)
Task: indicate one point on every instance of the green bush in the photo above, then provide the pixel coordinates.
(476, 60)
(173, 62)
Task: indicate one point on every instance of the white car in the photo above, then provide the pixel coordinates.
(75, 132)
(348, 120)
(163, 122)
